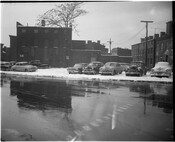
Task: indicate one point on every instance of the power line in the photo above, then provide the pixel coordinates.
(132, 36)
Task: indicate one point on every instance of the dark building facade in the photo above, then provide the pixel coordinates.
(5, 53)
(13, 46)
(49, 44)
(89, 45)
(121, 51)
(159, 48)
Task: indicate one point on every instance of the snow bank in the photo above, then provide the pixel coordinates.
(62, 73)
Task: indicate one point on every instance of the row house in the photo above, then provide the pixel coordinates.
(159, 48)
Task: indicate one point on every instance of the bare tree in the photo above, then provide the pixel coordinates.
(62, 15)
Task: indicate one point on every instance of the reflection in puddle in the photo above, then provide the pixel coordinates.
(156, 94)
(57, 94)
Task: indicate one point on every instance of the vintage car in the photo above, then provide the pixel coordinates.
(161, 69)
(111, 68)
(23, 66)
(77, 68)
(5, 66)
(136, 68)
(39, 64)
(93, 67)
(125, 66)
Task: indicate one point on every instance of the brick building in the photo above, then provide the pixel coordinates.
(49, 44)
(121, 51)
(159, 48)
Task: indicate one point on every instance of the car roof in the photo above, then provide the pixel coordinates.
(137, 62)
(81, 63)
(95, 62)
(21, 62)
(111, 62)
(163, 63)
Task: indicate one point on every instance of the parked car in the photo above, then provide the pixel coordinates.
(136, 68)
(161, 69)
(111, 68)
(93, 67)
(5, 66)
(125, 66)
(23, 66)
(77, 68)
(38, 64)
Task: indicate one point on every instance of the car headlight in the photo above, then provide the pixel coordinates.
(168, 70)
(139, 68)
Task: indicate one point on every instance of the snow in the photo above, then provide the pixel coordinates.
(56, 73)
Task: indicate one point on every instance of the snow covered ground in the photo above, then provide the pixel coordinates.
(62, 73)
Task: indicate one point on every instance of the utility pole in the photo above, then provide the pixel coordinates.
(146, 40)
(110, 42)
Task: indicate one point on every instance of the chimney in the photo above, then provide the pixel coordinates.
(98, 41)
(156, 35)
(169, 26)
(43, 23)
(150, 37)
(162, 34)
(89, 41)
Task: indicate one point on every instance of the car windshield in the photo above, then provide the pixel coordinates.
(77, 65)
(162, 64)
(136, 63)
(94, 64)
(110, 64)
(25, 63)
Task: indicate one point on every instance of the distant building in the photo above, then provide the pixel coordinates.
(159, 48)
(121, 51)
(5, 53)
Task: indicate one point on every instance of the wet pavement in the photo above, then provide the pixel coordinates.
(76, 110)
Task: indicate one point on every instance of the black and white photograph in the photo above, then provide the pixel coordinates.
(86, 71)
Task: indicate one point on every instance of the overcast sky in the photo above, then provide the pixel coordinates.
(119, 21)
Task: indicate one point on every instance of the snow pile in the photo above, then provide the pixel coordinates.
(62, 73)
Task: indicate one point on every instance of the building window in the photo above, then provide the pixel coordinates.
(55, 31)
(55, 42)
(46, 31)
(46, 43)
(36, 42)
(23, 30)
(161, 48)
(35, 31)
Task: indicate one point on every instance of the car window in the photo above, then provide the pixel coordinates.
(113, 64)
(163, 64)
(77, 65)
(117, 65)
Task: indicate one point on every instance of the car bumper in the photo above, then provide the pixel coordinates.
(160, 74)
(89, 72)
(74, 71)
(105, 72)
(132, 73)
